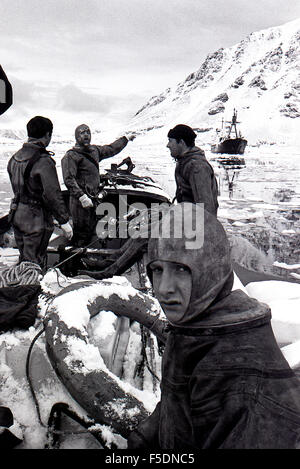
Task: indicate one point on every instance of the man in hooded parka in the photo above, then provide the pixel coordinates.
(194, 176)
(80, 168)
(37, 194)
(225, 382)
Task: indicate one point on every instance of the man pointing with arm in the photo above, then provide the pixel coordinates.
(80, 168)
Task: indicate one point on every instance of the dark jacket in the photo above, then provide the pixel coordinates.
(196, 181)
(43, 185)
(227, 385)
(225, 382)
(18, 306)
(81, 176)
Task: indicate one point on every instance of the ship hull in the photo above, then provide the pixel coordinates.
(231, 146)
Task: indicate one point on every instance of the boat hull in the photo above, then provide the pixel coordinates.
(231, 146)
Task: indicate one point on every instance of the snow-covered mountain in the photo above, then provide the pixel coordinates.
(260, 77)
(14, 134)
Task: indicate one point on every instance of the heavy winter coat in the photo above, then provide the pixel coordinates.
(81, 176)
(40, 199)
(225, 382)
(43, 184)
(196, 181)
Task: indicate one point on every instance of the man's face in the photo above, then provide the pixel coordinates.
(174, 147)
(83, 135)
(172, 284)
(47, 139)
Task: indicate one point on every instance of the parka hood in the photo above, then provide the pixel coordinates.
(28, 149)
(192, 152)
(203, 247)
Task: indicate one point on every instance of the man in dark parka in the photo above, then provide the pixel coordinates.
(225, 383)
(80, 168)
(195, 178)
(38, 196)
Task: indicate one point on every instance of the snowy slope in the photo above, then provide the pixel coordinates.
(11, 134)
(259, 76)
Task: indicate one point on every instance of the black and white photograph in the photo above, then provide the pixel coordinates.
(150, 227)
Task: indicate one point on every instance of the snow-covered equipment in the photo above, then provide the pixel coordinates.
(126, 375)
(88, 369)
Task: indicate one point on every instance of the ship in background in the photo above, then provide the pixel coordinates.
(229, 140)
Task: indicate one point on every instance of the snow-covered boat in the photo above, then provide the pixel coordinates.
(88, 371)
(122, 387)
(92, 373)
(107, 366)
(226, 143)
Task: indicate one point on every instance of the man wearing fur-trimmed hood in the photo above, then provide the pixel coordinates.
(225, 382)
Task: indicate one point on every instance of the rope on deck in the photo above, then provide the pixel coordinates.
(25, 273)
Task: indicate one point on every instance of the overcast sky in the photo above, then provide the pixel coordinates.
(106, 58)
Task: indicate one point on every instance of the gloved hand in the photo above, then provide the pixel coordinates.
(85, 201)
(67, 230)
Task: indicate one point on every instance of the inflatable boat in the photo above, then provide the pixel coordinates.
(89, 370)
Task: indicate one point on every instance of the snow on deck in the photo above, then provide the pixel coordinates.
(284, 301)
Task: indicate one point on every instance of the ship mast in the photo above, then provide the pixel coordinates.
(233, 123)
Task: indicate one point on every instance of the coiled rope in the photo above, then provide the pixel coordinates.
(25, 273)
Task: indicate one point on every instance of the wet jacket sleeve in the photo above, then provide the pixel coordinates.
(52, 195)
(69, 166)
(106, 151)
(199, 177)
(146, 434)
